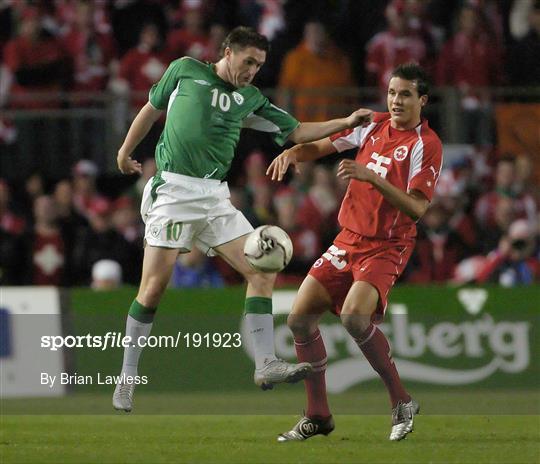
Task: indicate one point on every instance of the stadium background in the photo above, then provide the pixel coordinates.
(66, 102)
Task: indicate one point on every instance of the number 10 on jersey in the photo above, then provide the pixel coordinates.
(222, 98)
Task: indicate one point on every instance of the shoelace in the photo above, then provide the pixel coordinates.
(124, 389)
(400, 413)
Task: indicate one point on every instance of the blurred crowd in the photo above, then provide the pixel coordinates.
(481, 227)
(64, 223)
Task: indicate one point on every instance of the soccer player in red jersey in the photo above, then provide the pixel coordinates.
(391, 184)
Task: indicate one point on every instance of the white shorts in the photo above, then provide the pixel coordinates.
(180, 211)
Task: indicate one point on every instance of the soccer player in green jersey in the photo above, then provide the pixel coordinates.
(187, 203)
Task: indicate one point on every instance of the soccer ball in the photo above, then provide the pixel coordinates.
(268, 249)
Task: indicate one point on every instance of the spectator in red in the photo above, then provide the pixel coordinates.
(91, 50)
(102, 241)
(142, 66)
(472, 59)
(10, 222)
(46, 260)
(452, 195)
(216, 36)
(395, 45)
(85, 195)
(524, 205)
(126, 220)
(191, 39)
(320, 204)
(34, 63)
(438, 248)
(306, 242)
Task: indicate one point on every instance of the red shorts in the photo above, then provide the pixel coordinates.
(353, 258)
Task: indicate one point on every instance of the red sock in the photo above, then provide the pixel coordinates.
(314, 352)
(376, 349)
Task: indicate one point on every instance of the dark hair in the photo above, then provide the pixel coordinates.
(507, 158)
(241, 37)
(413, 72)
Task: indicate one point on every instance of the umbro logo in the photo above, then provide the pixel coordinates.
(201, 82)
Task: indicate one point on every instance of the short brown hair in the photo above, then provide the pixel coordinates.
(241, 37)
(413, 72)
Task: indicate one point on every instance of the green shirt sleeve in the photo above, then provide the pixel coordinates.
(162, 90)
(269, 118)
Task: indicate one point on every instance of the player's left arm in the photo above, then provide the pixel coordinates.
(413, 203)
(311, 131)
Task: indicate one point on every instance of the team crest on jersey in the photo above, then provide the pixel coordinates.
(400, 153)
(155, 230)
(239, 99)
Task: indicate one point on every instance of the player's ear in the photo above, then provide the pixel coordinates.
(423, 100)
(227, 52)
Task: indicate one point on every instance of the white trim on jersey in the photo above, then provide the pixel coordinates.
(253, 121)
(355, 139)
(417, 157)
(278, 108)
(173, 96)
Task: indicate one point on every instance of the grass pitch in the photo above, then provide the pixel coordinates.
(139, 437)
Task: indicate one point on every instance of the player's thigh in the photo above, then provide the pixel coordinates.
(359, 307)
(233, 253)
(362, 299)
(311, 302)
(158, 264)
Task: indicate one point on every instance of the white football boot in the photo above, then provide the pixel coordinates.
(279, 371)
(403, 419)
(307, 428)
(123, 396)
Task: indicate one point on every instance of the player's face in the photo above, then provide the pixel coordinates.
(244, 64)
(404, 103)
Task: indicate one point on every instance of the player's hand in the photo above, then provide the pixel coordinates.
(350, 169)
(278, 167)
(128, 165)
(361, 117)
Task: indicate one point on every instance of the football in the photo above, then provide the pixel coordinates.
(268, 249)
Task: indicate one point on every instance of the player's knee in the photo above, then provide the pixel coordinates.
(150, 294)
(300, 326)
(261, 281)
(355, 323)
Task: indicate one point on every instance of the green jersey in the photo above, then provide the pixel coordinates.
(204, 117)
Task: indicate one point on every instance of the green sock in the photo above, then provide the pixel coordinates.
(141, 313)
(258, 305)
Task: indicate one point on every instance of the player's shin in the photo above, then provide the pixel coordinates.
(138, 326)
(377, 351)
(260, 324)
(312, 350)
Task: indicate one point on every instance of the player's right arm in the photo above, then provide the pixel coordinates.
(158, 99)
(299, 154)
(140, 126)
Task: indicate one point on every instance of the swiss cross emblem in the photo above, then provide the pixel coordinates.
(400, 153)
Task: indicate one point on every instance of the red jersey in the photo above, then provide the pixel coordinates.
(142, 68)
(409, 160)
(48, 259)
